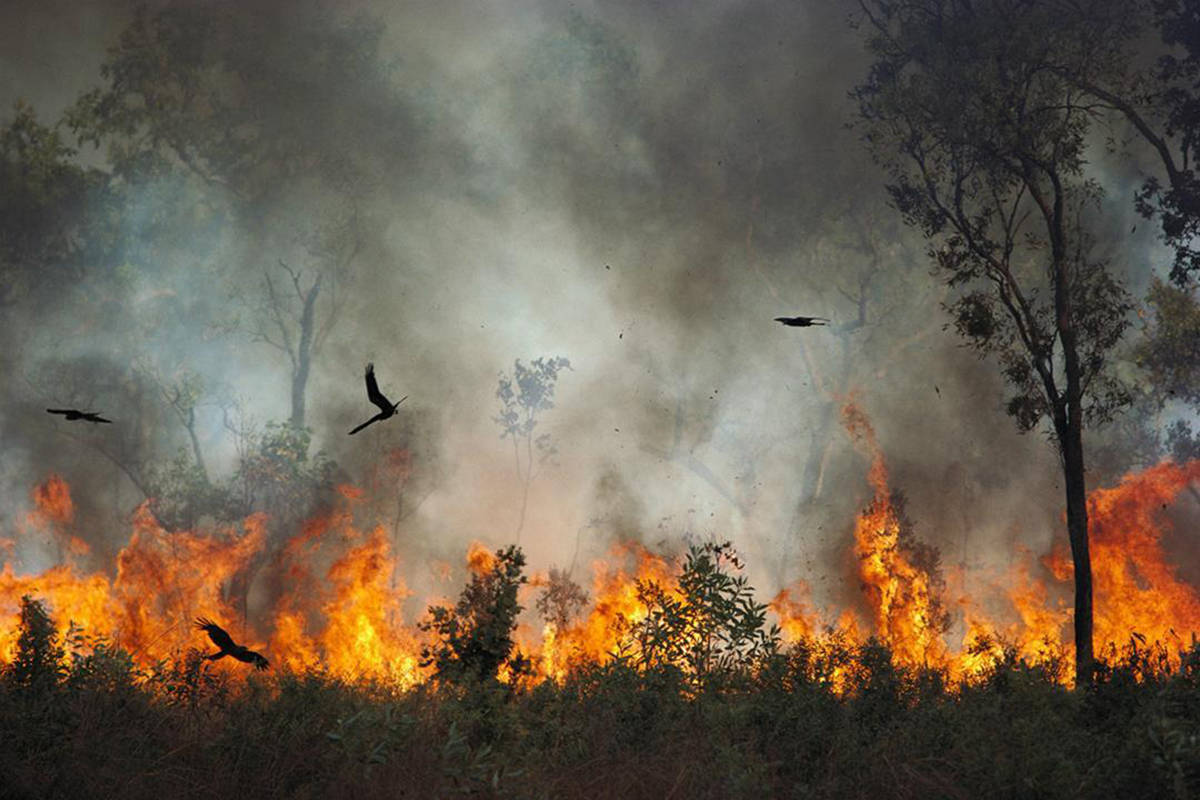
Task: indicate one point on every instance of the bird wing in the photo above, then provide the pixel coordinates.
(251, 657)
(373, 393)
(94, 417)
(215, 632)
(375, 418)
(60, 410)
(802, 322)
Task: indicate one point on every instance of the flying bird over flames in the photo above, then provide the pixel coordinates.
(228, 647)
(387, 408)
(801, 322)
(72, 415)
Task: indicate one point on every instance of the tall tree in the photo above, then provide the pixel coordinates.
(984, 143)
(44, 197)
(214, 99)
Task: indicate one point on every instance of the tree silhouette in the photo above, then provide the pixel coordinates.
(523, 396)
(984, 145)
(475, 637)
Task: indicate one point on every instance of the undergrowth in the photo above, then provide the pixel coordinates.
(821, 718)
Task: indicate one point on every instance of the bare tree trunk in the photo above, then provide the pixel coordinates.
(1068, 421)
(528, 480)
(196, 451)
(303, 356)
(1077, 532)
(1069, 425)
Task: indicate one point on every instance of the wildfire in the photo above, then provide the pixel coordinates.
(336, 595)
(53, 513)
(793, 607)
(906, 607)
(53, 501)
(1136, 589)
(616, 607)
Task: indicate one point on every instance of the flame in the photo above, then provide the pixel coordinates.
(792, 606)
(903, 601)
(337, 594)
(480, 559)
(83, 600)
(1135, 588)
(602, 632)
(360, 633)
(52, 498)
(53, 513)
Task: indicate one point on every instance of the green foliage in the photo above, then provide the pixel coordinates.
(372, 734)
(188, 681)
(38, 665)
(99, 666)
(278, 476)
(476, 635)
(984, 142)
(610, 730)
(1171, 86)
(217, 93)
(182, 494)
(472, 770)
(1170, 352)
(45, 224)
(710, 627)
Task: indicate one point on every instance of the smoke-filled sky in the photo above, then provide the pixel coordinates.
(639, 187)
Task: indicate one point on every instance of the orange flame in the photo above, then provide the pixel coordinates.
(1136, 588)
(339, 600)
(900, 594)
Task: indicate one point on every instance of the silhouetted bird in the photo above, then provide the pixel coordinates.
(228, 647)
(72, 415)
(801, 322)
(386, 407)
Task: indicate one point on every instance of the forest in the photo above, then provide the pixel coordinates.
(705, 400)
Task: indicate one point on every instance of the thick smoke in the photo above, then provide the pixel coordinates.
(639, 187)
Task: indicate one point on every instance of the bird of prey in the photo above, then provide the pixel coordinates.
(386, 407)
(72, 415)
(228, 647)
(801, 322)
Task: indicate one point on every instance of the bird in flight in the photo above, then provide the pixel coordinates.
(72, 415)
(801, 322)
(228, 647)
(386, 407)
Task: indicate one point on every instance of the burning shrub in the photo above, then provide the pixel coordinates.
(561, 599)
(38, 663)
(708, 624)
(98, 666)
(476, 636)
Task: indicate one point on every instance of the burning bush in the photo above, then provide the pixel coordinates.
(476, 635)
(707, 625)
